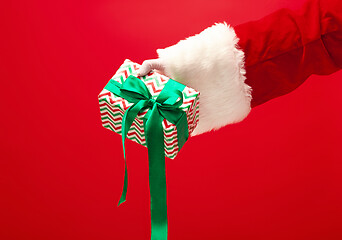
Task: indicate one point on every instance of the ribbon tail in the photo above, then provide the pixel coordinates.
(124, 189)
(124, 131)
(127, 121)
(157, 179)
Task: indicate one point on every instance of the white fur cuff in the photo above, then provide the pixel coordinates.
(211, 63)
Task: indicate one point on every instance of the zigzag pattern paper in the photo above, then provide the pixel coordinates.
(112, 108)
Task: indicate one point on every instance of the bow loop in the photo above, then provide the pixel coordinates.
(135, 88)
(171, 101)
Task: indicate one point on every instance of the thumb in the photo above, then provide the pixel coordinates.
(152, 64)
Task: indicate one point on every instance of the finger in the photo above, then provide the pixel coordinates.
(148, 65)
(145, 68)
(157, 64)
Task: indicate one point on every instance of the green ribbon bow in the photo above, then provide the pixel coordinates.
(166, 106)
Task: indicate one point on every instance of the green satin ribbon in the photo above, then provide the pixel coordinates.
(166, 106)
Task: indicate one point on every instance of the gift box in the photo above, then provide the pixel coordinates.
(113, 107)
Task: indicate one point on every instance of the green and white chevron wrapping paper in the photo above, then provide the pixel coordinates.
(112, 108)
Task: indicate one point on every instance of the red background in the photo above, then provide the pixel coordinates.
(276, 175)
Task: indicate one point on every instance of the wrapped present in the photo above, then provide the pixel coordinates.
(154, 111)
(113, 107)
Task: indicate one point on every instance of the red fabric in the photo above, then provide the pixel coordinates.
(284, 48)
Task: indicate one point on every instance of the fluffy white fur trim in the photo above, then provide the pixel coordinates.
(211, 63)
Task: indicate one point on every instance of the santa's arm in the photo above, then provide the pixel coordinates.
(284, 48)
(265, 59)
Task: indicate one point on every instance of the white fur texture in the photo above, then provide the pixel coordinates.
(211, 63)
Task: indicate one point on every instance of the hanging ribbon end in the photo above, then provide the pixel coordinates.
(121, 201)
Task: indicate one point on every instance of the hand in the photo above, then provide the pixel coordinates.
(211, 63)
(152, 64)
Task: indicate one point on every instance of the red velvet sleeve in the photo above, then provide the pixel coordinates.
(284, 48)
